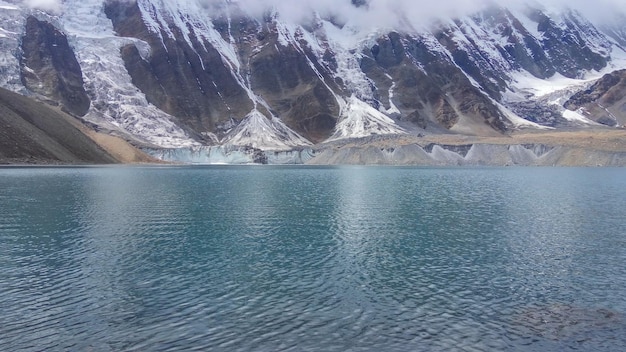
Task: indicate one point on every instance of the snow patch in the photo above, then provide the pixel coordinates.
(259, 132)
(359, 119)
(348, 66)
(525, 86)
(531, 26)
(393, 109)
(577, 116)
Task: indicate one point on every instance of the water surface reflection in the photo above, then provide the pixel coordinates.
(337, 258)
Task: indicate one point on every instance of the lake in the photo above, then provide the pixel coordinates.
(268, 258)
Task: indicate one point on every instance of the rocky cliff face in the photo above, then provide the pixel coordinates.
(49, 67)
(186, 76)
(183, 73)
(425, 85)
(571, 43)
(604, 101)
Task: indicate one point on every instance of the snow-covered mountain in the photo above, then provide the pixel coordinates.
(185, 73)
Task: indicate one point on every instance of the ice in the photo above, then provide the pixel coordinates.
(361, 120)
(258, 131)
(116, 103)
(12, 23)
(524, 85)
(528, 24)
(393, 109)
(577, 116)
(348, 66)
(206, 155)
(229, 155)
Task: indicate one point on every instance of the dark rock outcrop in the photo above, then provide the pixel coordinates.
(520, 49)
(49, 67)
(543, 114)
(430, 89)
(604, 101)
(443, 79)
(285, 78)
(566, 46)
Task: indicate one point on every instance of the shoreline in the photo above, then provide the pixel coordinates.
(595, 147)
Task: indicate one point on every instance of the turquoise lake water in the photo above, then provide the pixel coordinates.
(265, 258)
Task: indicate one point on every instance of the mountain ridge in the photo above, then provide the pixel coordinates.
(180, 74)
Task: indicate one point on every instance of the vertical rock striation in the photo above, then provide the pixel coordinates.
(49, 67)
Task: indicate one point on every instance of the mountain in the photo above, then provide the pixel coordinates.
(193, 73)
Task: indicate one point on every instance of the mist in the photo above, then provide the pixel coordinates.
(388, 13)
(392, 13)
(52, 6)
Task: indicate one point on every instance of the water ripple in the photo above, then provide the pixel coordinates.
(297, 259)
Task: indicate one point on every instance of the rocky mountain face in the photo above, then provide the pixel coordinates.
(188, 73)
(604, 101)
(49, 67)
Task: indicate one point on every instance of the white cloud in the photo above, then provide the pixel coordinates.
(387, 13)
(390, 13)
(597, 10)
(378, 13)
(53, 6)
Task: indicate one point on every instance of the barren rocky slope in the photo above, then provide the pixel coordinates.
(32, 132)
(604, 101)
